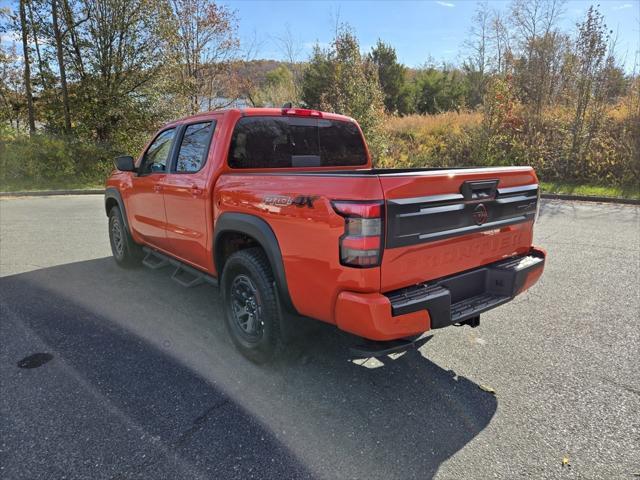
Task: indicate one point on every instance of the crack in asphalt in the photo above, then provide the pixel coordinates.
(181, 441)
(624, 386)
(198, 423)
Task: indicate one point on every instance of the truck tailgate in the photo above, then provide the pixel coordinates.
(447, 221)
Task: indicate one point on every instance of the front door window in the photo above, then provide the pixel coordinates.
(156, 157)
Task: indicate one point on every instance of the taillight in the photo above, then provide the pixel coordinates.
(361, 245)
(538, 204)
(301, 112)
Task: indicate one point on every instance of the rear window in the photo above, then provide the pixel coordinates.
(285, 142)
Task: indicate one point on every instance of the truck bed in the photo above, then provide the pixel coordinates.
(429, 226)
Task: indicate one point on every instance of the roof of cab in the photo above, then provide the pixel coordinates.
(255, 111)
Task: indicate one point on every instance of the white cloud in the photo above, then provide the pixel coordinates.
(446, 4)
(623, 6)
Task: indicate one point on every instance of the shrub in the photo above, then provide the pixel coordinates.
(503, 135)
(43, 158)
(448, 139)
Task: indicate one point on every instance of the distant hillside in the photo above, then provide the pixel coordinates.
(255, 70)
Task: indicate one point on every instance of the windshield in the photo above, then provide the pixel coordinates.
(285, 142)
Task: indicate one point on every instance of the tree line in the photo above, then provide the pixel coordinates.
(110, 71)
(103, 69)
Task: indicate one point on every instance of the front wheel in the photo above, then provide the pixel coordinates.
(251, 308)
(125, 251)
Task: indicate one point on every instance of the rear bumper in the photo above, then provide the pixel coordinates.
(413, 310)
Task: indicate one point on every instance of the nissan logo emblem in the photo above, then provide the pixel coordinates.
(480, 214)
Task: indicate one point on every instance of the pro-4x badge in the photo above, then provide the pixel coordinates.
(304, 201)
(285, 201)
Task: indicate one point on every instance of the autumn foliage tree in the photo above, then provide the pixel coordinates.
(203, 45)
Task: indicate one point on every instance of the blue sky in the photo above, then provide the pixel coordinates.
(417, 29)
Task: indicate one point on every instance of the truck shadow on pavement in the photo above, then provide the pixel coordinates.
(145, 383)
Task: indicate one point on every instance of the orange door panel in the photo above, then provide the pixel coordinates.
(186, 201)
(145, 201)
(187, 196)
(145, 208)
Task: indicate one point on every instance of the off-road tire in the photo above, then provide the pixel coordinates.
(249, 270)
(126, 252)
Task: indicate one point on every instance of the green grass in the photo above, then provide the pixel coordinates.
(35, 185)
(591, 190)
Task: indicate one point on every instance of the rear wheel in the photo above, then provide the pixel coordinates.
(125, 251)
(251, 308)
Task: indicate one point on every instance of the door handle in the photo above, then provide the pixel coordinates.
(157, 188)
(479, 190)
(196, 191)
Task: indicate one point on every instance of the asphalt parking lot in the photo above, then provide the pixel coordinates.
(143, 383)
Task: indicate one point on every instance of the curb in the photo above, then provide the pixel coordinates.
(590, 198)
(47, 193)
(550, 196)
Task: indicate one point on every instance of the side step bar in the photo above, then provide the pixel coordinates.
(153, 261)
(183, 274)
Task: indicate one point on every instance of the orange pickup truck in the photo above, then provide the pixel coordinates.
(282, 209)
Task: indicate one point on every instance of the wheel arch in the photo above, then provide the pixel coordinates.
(112, 198)
(259, 231)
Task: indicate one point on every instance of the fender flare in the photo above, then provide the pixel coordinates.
(113, 193)
(261, 232)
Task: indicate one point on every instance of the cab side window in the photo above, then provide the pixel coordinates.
(157, 155)
(194, 147)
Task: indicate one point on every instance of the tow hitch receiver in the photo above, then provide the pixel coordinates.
(473, 322)
(371, 348)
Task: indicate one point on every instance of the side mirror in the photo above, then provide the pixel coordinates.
(125, 163)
